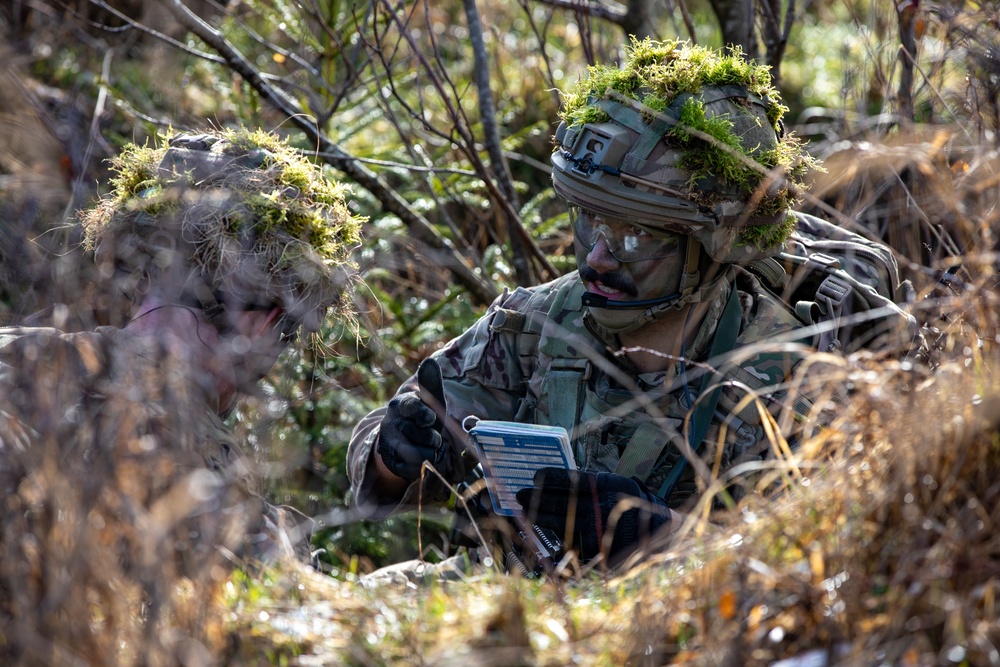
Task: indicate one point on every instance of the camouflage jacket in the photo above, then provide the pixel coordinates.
(535, 345)
(112, 427)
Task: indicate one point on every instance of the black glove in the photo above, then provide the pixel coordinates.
(410, 430)
(587, 500)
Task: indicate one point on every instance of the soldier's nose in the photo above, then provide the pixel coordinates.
(600, 258)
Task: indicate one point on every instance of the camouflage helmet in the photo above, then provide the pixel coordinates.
(238, 217)
(687, 140)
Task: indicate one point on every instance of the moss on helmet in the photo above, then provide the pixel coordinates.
(266, 222)
(655, 74)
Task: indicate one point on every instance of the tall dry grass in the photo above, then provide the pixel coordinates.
(114, 537)
(881, 548)
(876, 542)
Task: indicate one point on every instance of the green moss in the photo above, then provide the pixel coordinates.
(297, 220)
(711, 157)
(289, 193)
(657, 74)
(768, 236)
(135, 170)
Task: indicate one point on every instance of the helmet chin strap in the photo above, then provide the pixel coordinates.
(690, 291)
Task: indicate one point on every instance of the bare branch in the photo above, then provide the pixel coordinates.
(775, 33)
(468, 144)
(541, 36)
(487, 106)
(132, 23)
(491, 137)
(614, 12)
(482, 290)
(688, 22)
(906, 12)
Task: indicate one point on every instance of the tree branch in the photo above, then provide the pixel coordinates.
(462, 127)
(487, 107)
(907, 14)
(614, 12)
(491, 137)
(481, 289)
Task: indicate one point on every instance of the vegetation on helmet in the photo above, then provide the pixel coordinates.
(257, 218)
(655, 74)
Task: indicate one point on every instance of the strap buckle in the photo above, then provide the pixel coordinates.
(834, 290)
(582, 366)
(828, 262)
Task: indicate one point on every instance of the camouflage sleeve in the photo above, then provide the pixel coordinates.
(482, 377)
(125, 423)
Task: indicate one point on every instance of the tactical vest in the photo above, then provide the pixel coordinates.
(617, 423)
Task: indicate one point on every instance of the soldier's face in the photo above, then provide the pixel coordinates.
(604, 274)
(254, 345)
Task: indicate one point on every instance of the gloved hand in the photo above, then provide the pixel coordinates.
(586, 501)
(410, 430)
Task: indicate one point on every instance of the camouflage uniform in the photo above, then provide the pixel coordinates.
(509, 365)
(134, 427)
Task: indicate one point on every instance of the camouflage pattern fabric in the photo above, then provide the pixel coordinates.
(128, 428)
(501, 368)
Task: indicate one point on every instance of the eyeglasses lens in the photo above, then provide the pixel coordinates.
(626, 240)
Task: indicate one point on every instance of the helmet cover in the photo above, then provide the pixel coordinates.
(239, 212)
(687, 140)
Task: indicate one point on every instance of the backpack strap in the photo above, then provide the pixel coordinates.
(723, 343)
(643, 450)
(565, 378)
(832, 294)
(565, 381)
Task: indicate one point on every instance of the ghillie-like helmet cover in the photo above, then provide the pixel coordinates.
(684, 139)
(236, 216)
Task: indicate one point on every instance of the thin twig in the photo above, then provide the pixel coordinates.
(613, 12)
(481, 288)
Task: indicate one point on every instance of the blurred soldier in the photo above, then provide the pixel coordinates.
(679, 180)
(113, 454)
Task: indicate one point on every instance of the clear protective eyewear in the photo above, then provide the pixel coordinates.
(627, 240)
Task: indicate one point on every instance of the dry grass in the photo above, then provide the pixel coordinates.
(880, 549)
(883, 552)
(874, 544)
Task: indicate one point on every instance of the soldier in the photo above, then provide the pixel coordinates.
(229, 246)
(678, 175)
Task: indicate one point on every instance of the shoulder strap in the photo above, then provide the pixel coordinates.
(724, 342)
(565, 380)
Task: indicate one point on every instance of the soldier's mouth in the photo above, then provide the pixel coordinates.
(610, 285)
(601, 289)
